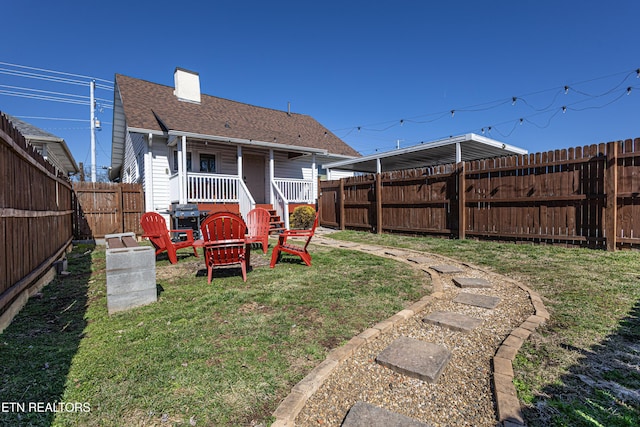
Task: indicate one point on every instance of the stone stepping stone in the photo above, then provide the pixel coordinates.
(348, 245)
(453, 321)
(472, 282)
(420, 259)
(393, 253)
(483, 301)
(414, 358)
(447, 269)
(370, 248)
(364, 414)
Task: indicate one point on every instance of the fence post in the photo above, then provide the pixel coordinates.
(341, 204)
(611, 192)
(462, 215)
(120, 208)
(378, 195)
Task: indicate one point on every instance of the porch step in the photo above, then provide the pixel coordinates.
(276, 225)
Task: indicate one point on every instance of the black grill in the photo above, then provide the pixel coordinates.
(186, 216)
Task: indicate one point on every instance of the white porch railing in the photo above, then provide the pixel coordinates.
(213, 188)
(280, 204)
(295, 190)
(217, 188)
(245, 199)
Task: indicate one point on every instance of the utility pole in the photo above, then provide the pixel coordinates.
(93, 131)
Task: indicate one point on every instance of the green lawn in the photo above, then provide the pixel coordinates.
(219, 354)
(228, 353)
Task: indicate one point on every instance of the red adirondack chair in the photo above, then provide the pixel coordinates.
(224, 242)
(155, 229)
(285, 246)
(258, 227)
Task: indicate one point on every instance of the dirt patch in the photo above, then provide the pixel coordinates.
(190, 266)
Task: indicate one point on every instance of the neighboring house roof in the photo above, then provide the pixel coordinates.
(449, 150)
(151, 107)
(56, 150)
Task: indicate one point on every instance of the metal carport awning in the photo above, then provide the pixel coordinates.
(456, 149)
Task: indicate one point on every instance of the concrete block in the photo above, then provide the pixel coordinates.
(131, 278)
(507, 352)
(290, 407)
(502, 366)
(314, 379)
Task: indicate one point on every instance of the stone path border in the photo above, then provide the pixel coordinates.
(507, 404)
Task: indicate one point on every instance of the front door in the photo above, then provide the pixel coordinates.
(253, 169)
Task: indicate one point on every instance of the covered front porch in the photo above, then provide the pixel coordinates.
(204, 173)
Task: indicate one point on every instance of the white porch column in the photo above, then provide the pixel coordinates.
(314, 177)
(458, 153)
(182, 169)
(148, 176)
(239, 157)
(272, 170)
(378, 165)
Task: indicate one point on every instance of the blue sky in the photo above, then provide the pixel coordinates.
(377, 74)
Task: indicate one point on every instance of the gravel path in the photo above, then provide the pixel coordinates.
(463, 395)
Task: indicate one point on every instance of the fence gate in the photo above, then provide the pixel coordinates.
(106, 208)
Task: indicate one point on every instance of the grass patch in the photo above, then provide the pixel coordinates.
(227, 353)
(582, 368)
(219, 354)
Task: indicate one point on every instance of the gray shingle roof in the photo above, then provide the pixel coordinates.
(153, 107)
(58, 151)
(30, 131)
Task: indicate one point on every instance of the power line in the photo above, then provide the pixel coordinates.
(52, 118)
(57, 72)
(58, 96)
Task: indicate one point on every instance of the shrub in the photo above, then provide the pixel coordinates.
(302, 217)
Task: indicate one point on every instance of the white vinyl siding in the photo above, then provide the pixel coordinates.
(161, 174)
(339, 174)
(292, 168)
(133, 166)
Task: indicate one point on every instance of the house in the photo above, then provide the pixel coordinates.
(53, 148)
(186, 147)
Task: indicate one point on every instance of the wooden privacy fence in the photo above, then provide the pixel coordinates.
(584, 196)
(35, 216)
(105, 208)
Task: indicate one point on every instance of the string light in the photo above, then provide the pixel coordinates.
(517, 100)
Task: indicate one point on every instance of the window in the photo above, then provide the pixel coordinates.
(207, 163)
(175, 161)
